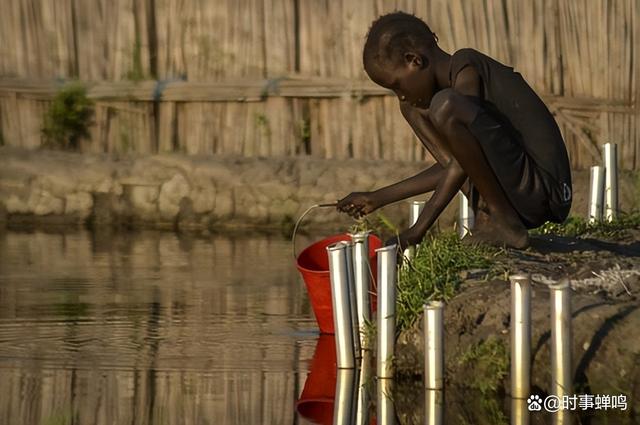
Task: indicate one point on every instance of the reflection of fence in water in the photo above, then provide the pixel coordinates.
(579, 53)
(116, 361)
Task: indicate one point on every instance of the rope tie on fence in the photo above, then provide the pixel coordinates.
(162, 84)
(271, 87)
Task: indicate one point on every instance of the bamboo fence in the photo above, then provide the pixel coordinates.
(284, 77)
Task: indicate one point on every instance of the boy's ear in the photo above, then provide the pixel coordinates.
(414, 59)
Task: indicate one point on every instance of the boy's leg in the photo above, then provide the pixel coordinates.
(452, 114)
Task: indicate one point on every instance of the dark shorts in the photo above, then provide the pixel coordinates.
(524, 184)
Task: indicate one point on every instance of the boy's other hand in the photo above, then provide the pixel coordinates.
(358, 204)
(409, 237)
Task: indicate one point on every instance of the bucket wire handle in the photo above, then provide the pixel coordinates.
(295, 228)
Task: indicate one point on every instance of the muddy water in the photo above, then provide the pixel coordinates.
(151, 328)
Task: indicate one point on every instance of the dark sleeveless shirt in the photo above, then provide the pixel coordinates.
(507, 96)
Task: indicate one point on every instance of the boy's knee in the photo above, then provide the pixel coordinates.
(442, 107)
(449, 106)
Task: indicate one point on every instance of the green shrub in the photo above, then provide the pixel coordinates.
(68, 118)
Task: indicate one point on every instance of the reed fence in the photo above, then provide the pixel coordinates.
(269, 77)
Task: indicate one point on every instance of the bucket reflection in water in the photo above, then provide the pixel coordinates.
(343, 411)
(316, 403)
(385, 411)
(433, 407)
(338, 272)
(519, 411)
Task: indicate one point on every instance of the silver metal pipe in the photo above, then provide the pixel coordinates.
(610, 156)
(561, 382)
(343, 404)
(434, 345)
(433, 407)
(520, 335)
(466, 217)
(338, 273)
(562, 417)
(386, 319)
(385, 411)
(415, 208)
(596, 194)
(363, 398)
(519, 411)
(362, 281)
(353, 308)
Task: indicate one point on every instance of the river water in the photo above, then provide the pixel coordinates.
(164, 328)
(151, 328)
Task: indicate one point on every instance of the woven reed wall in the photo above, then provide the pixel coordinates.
(581, 55)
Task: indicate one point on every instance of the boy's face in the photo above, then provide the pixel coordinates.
(411, 81)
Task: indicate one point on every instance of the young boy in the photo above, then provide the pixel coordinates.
(487, 129)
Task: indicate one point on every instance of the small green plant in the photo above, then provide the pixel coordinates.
(580, 227)
(489, 361)
(68, 118)
(434, 273)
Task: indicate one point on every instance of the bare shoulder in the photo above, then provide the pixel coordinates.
(467, 81)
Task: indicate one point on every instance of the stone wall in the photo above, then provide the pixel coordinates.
(178, 191)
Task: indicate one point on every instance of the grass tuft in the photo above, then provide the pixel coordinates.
(580, 227)
(434, 274)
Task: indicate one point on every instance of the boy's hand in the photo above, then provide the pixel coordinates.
(358, 204)
(405, 239)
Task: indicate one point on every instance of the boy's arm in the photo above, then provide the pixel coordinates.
(361, 203)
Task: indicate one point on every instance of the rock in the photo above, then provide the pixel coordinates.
(79, 204)
(171, 193)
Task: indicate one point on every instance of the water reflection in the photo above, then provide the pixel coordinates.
(150, 328)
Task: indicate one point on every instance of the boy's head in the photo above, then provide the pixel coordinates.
(398, 46)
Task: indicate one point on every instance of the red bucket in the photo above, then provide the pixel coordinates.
(313, 264)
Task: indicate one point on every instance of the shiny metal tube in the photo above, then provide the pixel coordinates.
(385, 411)
(365, 377)
(353, 308)
(561, 380)
(519, 411)
(433, 407)
(610, 156)
(466, 217)
(343, 404)
(520, 335)
(362, 281)
(386, 319)
(596, 194)
(434, 345)
(415, 208)
(338, 273)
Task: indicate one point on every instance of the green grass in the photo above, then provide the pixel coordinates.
(435, 274)
(489, 361)
(579, 227)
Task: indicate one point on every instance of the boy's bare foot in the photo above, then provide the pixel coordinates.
(490, 231)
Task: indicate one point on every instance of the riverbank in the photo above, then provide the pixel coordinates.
(203, 193)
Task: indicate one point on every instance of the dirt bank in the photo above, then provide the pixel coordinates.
(605, 278)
